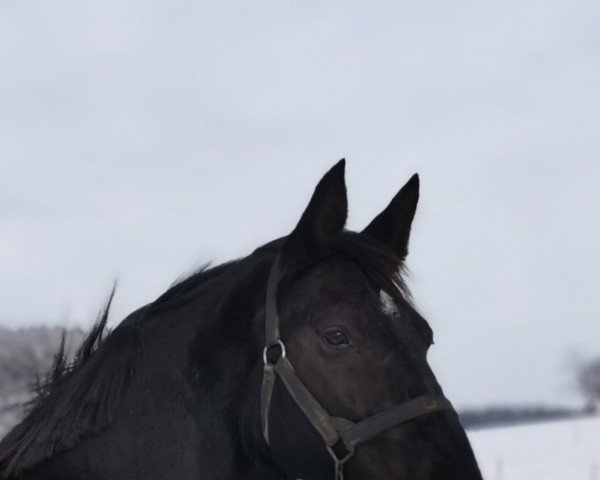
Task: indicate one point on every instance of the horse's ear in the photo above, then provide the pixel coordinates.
(322, 221)
(392, 226)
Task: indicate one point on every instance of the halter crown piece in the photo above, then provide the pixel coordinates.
(340, 435)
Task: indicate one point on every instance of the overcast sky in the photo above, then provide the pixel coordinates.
(140, 139)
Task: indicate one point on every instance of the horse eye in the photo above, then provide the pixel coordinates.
(337, 338)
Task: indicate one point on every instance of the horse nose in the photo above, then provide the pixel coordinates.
(430, 448)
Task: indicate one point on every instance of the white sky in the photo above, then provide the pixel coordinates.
(139, 139)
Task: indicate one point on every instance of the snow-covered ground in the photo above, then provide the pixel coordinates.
(561, 450)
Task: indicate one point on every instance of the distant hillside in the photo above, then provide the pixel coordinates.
(500, 416)
(24, 355)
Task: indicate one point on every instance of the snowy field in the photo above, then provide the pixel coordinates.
(561, 450)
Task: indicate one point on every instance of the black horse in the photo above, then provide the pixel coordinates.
(185, 388)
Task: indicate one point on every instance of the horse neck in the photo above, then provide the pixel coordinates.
(225, 360)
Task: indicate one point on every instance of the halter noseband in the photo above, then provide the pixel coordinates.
(337, 433)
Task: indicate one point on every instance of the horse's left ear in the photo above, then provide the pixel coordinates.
(392, 226)
(322, 221)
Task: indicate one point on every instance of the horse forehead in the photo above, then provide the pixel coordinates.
(335, 277)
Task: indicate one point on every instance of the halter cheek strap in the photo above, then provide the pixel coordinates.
(341, 436)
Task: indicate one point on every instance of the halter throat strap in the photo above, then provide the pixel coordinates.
(340, 436)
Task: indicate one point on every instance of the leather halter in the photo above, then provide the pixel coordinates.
(337, 433)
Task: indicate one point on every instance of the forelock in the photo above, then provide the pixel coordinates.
(387, 304)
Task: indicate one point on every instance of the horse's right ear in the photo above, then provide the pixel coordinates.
(322, 221)
(392, 226)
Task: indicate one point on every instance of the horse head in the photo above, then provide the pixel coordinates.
(349, 390)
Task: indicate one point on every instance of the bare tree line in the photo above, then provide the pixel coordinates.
(25, 355)
(588, 378)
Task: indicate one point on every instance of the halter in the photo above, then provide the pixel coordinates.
(340, 435)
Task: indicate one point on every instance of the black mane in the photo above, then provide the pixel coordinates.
(92, 388)
(61, 369)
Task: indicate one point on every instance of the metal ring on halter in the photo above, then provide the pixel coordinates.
(266, 350)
